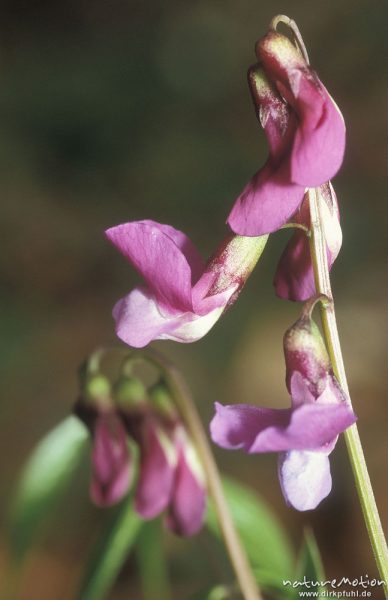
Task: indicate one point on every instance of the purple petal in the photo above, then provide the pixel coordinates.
(300, 390)
(294, 278)
(256, 429)
(266, 203)
(324, 138)
(112, 467)
(332, 393)
(156, 255)
(155, 482)
(321, 130)
(188, 503)
(305, 478)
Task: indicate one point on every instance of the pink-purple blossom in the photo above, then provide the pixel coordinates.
(294, 278)
(305, 132)
(112, 465)
(181, 296)
(170, 476)
(304, 434)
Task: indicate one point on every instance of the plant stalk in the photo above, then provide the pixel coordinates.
(352, 438)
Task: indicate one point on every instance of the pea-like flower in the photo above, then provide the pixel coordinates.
(182, 297)
(111, 461)
(294, 278)
(304, 434)
(112, 465)
(305, 132)
(171, 478)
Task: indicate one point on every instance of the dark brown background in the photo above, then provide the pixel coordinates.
(125, 110)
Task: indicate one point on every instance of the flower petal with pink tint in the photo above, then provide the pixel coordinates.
(111, 463)
(187, 507)
(305, 132)
(319, 141)
(266, 203)
(294, 278)
(140, 319)
(256, 429)
(154, 252)
(324, 138)
(305, 478)
(157, 464)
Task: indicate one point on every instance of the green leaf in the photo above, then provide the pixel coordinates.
(310, 565)
(110, 553)
(262, 535)
(43, 480)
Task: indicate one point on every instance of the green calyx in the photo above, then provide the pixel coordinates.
(305, 335)
(129, 392)
(162, 401)
(97, 391)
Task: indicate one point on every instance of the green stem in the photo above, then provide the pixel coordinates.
(188, 411)
(152, 564)
(353, 442)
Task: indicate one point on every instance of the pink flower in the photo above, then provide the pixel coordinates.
(305, 132)
(304, 434)
(111, 461)
(294, 278)
(182, 298)
(112, 468)
(171, 478)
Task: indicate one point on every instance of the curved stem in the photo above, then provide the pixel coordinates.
(300, 226)
(353, 442)
(295, 30)
(186, 406)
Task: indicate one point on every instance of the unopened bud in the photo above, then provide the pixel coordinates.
(129, 392)
(305, 351)
(278, 54)
(162, 401)
(97, 391)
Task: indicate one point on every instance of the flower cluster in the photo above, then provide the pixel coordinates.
(181, 297)
(170, 474)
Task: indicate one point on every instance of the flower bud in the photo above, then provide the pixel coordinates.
(97, 391)
(305, 352)
(94, 399)
(278, 54)
(162, 402)
(129, 392)
(112, 468)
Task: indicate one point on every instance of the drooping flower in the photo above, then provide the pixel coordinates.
(182, 297)
(111, 462)
(112, 466)
(305, 132)
(294, 278)
(304, 434)
(171, 478)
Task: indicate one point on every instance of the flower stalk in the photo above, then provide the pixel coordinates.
(352, 438)
(176, 384)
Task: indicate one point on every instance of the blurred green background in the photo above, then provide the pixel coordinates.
(116, 111)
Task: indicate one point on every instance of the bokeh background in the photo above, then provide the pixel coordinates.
(122, 110)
